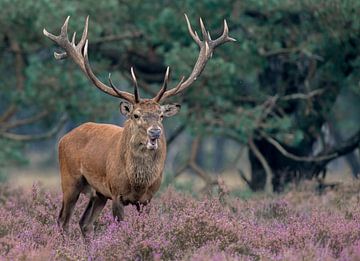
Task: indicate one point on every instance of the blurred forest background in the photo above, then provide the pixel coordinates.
(275, 107)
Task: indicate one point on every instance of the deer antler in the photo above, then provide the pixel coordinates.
(79, 54)
(158, 97)
(207, 46)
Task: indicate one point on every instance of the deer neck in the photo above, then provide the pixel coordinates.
(143, 166)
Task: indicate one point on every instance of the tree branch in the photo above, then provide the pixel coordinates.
(244, 178)
(287, 154)
(347, 147)
(303, 96)
(22, 122)
(10, 111)
(33, 137)
(264, 163)
(294, 96)
(191, 163)
(290, 50)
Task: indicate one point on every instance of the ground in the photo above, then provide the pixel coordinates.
(297, 225)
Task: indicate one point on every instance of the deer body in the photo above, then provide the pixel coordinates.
(108, 165)
(110, 162)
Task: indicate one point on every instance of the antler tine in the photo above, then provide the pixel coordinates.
(177, 87)
(193, 34)
(73, 39)
(60, 56)
(85, 34)
(109, 90)
(63, 36)
(136, 88)
(79, 54)
(224, 37)
(113, 86)
(64, 28)
(203, 30)
(207, 46)
(164, 86)
(49, 35)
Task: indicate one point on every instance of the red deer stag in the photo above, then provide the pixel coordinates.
(124, 164)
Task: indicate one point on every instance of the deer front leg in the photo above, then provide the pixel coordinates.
(118, 208)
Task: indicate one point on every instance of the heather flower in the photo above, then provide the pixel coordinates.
(297, 225)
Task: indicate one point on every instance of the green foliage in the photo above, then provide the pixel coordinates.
(283, 47)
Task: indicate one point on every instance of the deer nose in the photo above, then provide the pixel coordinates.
(154, 132)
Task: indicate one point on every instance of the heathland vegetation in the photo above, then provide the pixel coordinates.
(297, 225)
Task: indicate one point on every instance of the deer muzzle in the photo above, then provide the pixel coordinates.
(154, 134)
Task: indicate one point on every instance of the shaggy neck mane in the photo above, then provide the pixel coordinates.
(142, 165)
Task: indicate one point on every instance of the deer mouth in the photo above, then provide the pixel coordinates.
(152, 143)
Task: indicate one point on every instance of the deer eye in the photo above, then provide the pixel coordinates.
(136, 116)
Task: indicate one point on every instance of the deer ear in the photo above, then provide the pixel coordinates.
(126, 108)
(170, 109)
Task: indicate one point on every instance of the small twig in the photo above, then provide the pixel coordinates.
(303, 96)
(244, 178)
(268, 107)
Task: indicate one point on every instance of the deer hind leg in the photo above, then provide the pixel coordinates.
(71, 187)
(70, 198)
(92, 211)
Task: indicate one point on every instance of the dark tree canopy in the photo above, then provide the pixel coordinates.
(274, 89)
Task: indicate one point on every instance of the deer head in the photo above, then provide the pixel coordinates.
(144, 116)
